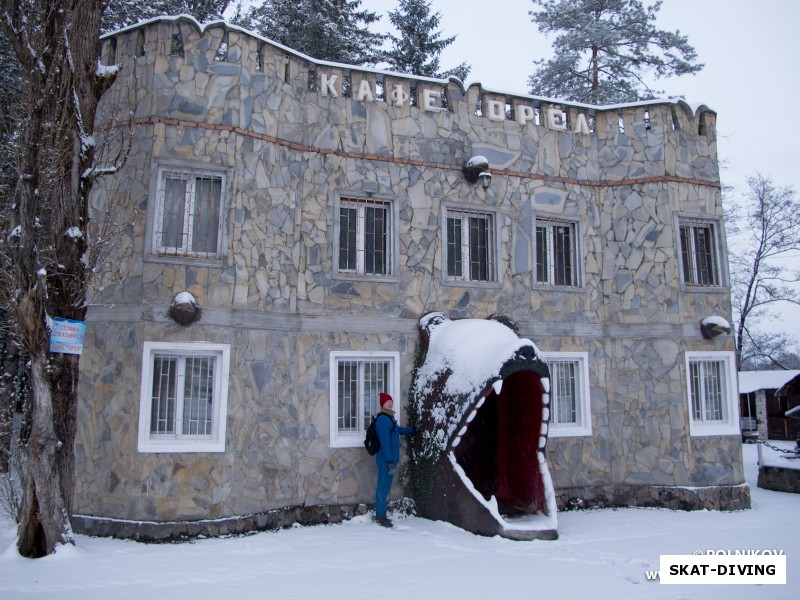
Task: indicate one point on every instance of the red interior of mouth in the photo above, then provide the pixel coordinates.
(499, 450)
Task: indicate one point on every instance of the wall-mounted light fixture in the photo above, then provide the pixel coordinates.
(477, 168)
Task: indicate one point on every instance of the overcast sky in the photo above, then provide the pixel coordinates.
(751, 77)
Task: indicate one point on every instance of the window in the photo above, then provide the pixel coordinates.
(699, 253)
(184, 397)
(556, 253)
(570, 413)
(188, 213)
(470, 245)
(364, 229)
(356, 380)
(710, 389)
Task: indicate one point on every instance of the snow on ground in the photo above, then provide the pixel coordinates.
(600, 554)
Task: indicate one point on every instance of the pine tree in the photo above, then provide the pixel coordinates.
(332, 30)
(121, 13)
(605, 48)
(417, 49)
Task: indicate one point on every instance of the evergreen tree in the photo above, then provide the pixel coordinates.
(417, 49)
(121, 13)
(332, 30)
(605, 48)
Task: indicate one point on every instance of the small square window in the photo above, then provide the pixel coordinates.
(698, 247)
(184, 397)
(713, 409)
(356, 381)
(570, 408)
(470, 245)
(364, 246)
(188, 214)
(556, 253)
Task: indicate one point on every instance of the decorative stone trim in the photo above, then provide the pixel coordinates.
(421, 163)
(716, 497)
(173, 531)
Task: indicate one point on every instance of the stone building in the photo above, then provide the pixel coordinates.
(286, 222)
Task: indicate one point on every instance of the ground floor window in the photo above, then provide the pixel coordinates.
(570, 408)
(711, 393)
(356, 381)
(184, 397)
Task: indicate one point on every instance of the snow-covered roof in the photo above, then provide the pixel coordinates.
(692, 109)
(751, 381)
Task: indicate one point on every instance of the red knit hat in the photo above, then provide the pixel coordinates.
(384, 398)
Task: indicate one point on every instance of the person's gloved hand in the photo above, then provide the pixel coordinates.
(392, 468)
(414, 430)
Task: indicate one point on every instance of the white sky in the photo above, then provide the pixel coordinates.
(751, 79)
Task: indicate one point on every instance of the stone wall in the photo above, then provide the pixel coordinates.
(289, 152)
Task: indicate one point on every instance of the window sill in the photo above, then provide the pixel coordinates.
(179, 259)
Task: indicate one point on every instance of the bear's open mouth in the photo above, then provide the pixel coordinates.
(482, 393)
(499, 447)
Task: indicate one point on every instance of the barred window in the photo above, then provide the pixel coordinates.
(699, 253)
(713, 406)
(364, 230)
(188, 215)
(357, 379)
(556, 251)
(184, 397)
(470, 245)
(569, 394)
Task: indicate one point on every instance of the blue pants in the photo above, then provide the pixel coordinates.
(384, 486)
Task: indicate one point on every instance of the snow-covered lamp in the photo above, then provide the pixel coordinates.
(184, 309)
(477, 168)
(713, 326)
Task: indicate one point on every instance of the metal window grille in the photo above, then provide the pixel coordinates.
(708, 389)
(183, 390)
(470, 245)
(555, 253)
(698, 254)
(565, 392)
(359, 384)
(364, 237)
(189, 214)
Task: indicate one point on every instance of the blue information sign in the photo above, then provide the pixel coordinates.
(66, 336)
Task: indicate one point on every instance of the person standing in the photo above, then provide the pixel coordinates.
(388, 456)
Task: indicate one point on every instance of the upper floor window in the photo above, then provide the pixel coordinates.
(699, 262)
(570, 413)
(711, 393)
(188, 213)
(356, 381)
(184, 397)
(470, 245)
(556, 253)
(364, 237)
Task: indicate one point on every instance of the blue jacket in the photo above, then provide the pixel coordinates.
(389, 433)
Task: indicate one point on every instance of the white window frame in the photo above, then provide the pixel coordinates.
(575, 251)
(728, 424)
(583, 405)
(179, 442)
(492, 264)
(690, 280)
(354, 439)
(361, 205)
(191, 174)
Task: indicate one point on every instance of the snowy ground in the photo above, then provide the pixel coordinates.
(600, 554)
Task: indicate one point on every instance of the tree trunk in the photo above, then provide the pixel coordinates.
(56, 43)
(44, 512)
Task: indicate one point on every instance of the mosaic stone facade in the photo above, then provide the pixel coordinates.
(290, 141)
